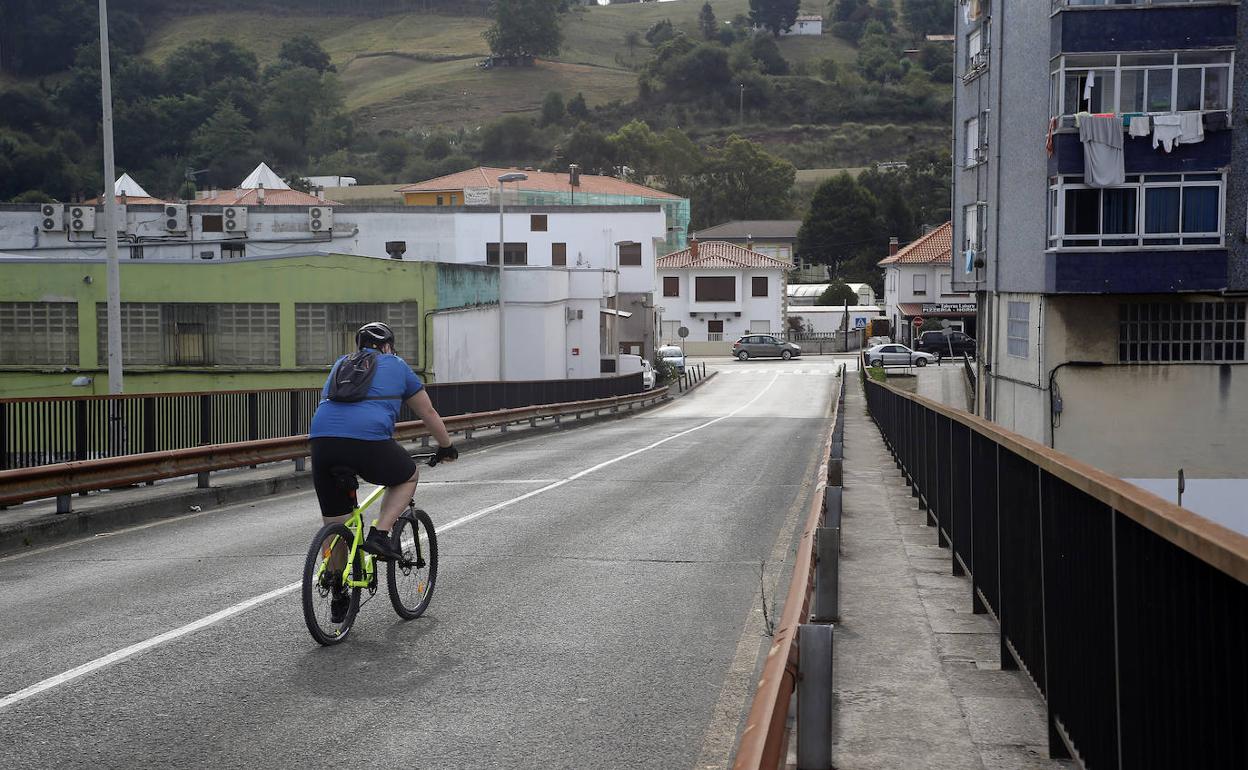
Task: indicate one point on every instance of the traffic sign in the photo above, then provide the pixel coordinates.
(917, 322)
(683, 332)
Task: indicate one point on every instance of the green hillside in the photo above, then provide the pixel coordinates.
(420, 70)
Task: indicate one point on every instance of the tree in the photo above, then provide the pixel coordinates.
(525, 28)
(590, 150)
(552, 109)
(637, 147)
(660, 32)
(838, 293)
(303, 51)
(392, 154)
(632, 39)
(879, 57)
(577, 109)
(707, 24)
(767, 54)
(437, 148)
(511, 139)
(843, 223)
(830, 70)
(923, 17)
(774, 15)
(741, 180)
(225, 147)
(197, 65)
(299, 101)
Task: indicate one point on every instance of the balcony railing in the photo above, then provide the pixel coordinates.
(1060, 4)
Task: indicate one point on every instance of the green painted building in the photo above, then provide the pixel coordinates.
(234, 325)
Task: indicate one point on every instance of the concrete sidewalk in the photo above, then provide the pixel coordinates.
(917, 680)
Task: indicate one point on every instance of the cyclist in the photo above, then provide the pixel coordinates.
(359, 435)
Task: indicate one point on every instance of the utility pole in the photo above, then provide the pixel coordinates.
(741, 107)
(113, 273)
(502, 249)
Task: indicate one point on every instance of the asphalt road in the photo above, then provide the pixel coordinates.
(610, 621)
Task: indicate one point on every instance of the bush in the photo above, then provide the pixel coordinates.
(664, 371)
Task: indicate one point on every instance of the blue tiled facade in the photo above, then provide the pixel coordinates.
(1104, 29)
(1213, 154)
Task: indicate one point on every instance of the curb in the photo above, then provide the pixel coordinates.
(52, 528)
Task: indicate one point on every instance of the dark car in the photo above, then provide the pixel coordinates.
(758, 345)
(940, 345)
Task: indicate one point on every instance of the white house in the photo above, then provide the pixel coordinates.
(917, 285)
(720, 291)
(806, 25)
(579, 283)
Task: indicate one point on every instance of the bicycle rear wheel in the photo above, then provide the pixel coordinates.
(320, 580)
(411, 580)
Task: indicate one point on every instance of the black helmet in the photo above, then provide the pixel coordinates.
(373, 335)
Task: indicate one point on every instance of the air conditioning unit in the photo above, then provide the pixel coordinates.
(177, 220)
(320, 219)
(82, 219)
(51, 217)
(234, 219)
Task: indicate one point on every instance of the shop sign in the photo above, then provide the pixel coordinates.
(959, 307)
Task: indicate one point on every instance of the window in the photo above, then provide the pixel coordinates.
(1142, 82)
(1149, 210)
(38, 333)
(233, 250)
(671, 286)
(714, 331)
(976, 51)
(194, 334)
(630, 255)
(1182, 331)
(715, 289)
(559, 254)
(971, 138)
(758, 286)
(211, 223)
(324, 331)
(439, 200)
(1018, 329)
(671, 331)
(513, 254)
(920, 283)
(973, 226)
(946, 283)
(537, 223)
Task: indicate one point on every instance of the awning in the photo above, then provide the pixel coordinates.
(934, 310)
(620, 313)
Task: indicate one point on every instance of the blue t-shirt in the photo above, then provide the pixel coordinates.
(372, 419)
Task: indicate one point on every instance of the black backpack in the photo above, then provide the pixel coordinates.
(352, 377)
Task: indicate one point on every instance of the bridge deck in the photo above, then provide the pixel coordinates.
(917, 676)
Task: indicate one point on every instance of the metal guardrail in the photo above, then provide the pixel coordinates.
(42, 431)
(765, 740)
(64, 479)
(1128, 613)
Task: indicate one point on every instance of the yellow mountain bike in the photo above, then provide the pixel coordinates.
(338, 570)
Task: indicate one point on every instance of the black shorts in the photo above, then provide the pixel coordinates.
(385, 463)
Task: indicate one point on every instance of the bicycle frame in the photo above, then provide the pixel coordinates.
(355, 523)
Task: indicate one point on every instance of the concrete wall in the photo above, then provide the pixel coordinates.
(828, 318)
(465, 344)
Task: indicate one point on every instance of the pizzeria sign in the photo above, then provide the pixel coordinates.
(959, 307)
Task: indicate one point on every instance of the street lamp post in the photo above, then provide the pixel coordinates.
(514, 176)
(113, 270)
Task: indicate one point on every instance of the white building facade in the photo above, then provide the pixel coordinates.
(918, 285)
(720, 291)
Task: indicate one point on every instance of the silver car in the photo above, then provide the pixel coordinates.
(759, 345)
(897, 355)
(674, 356)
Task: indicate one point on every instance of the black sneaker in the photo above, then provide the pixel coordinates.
(379, 544)
(339, 605)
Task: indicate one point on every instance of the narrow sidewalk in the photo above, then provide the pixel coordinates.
(917, 679)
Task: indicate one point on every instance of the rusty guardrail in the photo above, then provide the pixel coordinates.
(765, 740)
(62, 479)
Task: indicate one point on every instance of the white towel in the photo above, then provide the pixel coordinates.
(1166, 129)
(1191, 128)
(1140, 126)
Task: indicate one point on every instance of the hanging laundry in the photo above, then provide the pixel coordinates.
(969, 256)
(1191, 128)
(1166, 130)
(1048, 140)
(1080, 117)
(1140, 126)
(1088, 86)
(1104, 164)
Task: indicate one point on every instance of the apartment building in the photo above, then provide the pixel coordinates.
(1100, 197)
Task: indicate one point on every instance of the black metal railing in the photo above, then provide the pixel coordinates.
(43, 431)
(1129, 614)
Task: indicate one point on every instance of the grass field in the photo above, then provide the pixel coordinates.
(417, 70)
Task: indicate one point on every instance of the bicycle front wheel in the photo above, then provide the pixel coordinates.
(411, 579)
(329, 607)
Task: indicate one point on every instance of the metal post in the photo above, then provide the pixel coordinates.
(814, 697)
(502, 304)
(827, 560)
(202, 480)
(113, 273)
(64, 503)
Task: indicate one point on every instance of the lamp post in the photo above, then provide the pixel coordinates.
(514, 176)
(113, 270)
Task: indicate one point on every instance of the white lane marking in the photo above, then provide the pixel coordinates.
(487, 481)
(228, 612)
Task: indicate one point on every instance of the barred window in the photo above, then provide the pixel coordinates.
(38, 333)
(1182, 331)
(195, 334)
(1018, 329)
(324, 331)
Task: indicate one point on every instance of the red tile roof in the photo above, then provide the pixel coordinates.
(248, 197)
(540, 181)
(935, 248)
(720, 254)
(127, 200)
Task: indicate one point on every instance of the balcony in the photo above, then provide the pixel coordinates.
(1091, 26)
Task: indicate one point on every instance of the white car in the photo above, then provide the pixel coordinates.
(897, 355)
(648, 377)
(674, 356)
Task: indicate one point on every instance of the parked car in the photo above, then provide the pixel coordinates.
(897, 355)
(674, 356)
(648, 377)
(760, 345)
(940, 345)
